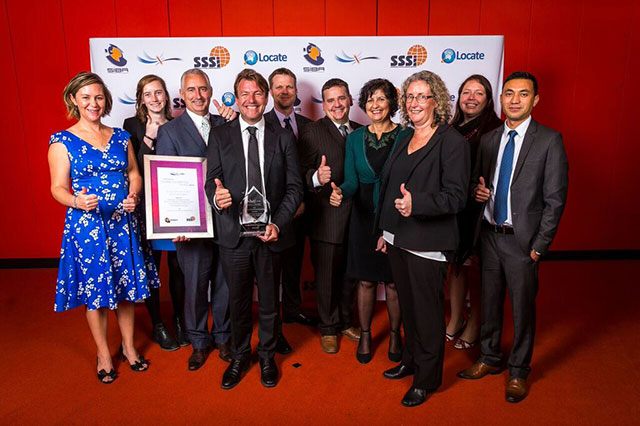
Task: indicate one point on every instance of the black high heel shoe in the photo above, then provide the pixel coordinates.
(365, 337)
(103, 374)
(139, 365)
(395, 340)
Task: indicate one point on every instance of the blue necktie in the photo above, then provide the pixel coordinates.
(502, 191)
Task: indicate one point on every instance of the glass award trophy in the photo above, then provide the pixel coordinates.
(255, 213)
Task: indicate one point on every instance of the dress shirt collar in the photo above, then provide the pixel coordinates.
(348, 124)
(521, 129)
(259, 125)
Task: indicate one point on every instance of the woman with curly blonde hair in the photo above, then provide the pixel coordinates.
(424, 186)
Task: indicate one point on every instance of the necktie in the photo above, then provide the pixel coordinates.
(287, 124)
(344, 130)
(254, 177)
(502, 192)
(206, 128)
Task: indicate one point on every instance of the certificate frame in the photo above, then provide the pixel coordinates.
(158, 170)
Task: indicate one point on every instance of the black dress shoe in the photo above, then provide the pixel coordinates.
(268, 372)
(398, 372)
(282, 346)
(163, 338)
(181, 334)
(198, 358)
(233, 374)
(414, 396)
(224, 352)
(302, 319)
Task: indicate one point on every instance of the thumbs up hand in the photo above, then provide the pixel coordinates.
(481, 193)
(324, 171)
(225, 112)
(336, 196)
(403, 205)
(222, 195)
(129, 204)
(85, 201)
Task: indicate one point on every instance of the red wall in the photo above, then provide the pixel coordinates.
(582, 53)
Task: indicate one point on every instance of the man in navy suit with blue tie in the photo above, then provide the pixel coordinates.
(521, 177)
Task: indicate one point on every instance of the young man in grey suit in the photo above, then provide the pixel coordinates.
(188, 135)
(322, 150)
(244, 157)
(521, 176)
(283, 89)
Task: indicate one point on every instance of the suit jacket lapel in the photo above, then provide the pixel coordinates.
(270, 140)
(524, 150)
(190, 128)
(435, 140)
(237, 151)
(335, 133)
(493, 155)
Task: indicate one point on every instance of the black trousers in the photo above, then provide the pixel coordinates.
(291, 269)
(200, 264)
(420, 284)
(252, 258)
(334, 294)
(506, 266)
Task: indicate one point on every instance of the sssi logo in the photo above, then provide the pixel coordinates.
(127, 100)
(228, 99)
(219, 57)
(416, 56)
(116, 57)
(156, 59)
(450, 55)
(251, 57)
(354, 59)
(313, 55)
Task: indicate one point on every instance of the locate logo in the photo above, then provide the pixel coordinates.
(450, 55)
(156, 59)
(251, 57)
(228, 99)
(219, 57)
(353, 59)
(127, 100)
(416, 55)
(313, 55)
(116, 57)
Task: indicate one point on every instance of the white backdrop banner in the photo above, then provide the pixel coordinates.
(121, 62)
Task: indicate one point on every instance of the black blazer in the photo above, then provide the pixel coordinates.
(226, 161)
(137, 130)
(538, 186)
(438, 184)
(322, 137)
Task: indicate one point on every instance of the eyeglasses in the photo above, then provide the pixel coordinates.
(421, 98)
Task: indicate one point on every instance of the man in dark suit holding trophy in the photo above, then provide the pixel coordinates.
(254, 185)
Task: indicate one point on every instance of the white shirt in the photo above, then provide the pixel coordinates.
(316, 182)
(521, 130)
(431, 255)
(197, 121)
(292, 120)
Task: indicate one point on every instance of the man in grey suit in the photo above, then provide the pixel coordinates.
(322, 148)
(283, 89)
(188, 135)
(521, 176)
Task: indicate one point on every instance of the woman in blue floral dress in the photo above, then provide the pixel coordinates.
(103, 266)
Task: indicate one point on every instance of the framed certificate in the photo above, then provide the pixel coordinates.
(175, 201)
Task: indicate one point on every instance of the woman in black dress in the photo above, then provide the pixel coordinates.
(368, 148)
(474, 117)
(153, 110)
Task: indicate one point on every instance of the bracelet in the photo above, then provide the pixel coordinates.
(75, 199)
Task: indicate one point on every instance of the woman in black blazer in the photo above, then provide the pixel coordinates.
(424, 186)
(153, 109)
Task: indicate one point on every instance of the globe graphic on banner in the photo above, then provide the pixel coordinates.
(419, 52)
(222, 53)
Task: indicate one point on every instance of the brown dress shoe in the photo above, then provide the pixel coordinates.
(478, 371)
(516, 389)
(329, 344)
(352, 334)
(224, 352)
(198, 358)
